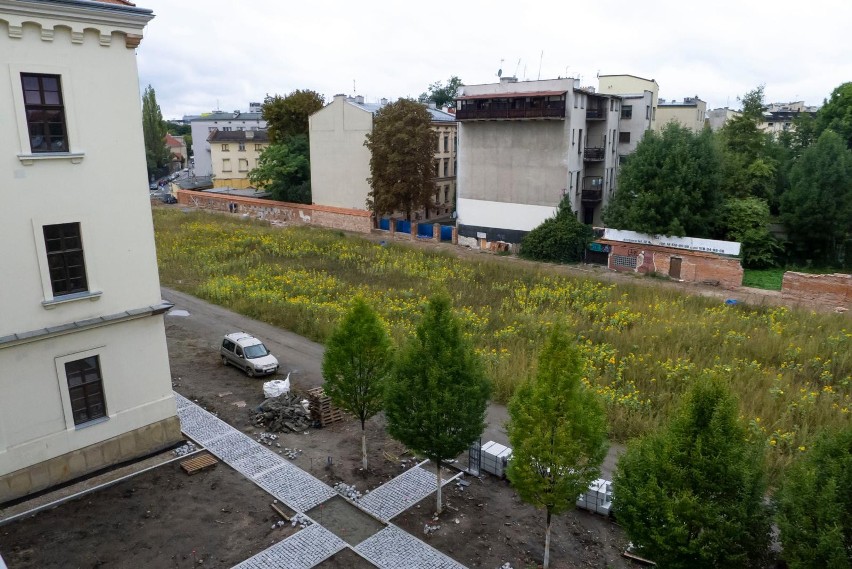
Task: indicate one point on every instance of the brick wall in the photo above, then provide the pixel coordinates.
(355, 220)
(695, 266)
(832, 291)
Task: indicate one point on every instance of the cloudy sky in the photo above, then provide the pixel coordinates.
(203, 54)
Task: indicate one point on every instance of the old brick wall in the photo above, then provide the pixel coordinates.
(832, 291)
(695, 267)
(323, 216)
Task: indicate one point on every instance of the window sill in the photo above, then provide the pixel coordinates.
(56, 301)
(91, 423)
(74, 157)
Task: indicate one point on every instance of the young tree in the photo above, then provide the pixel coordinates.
(557, 429)
(288, 116)
(284, 169)
(691, 494)
(817, 209)
(154, 131)
(670, 185)
(438, 392)
(442, 96)
(356, 365)
(559, 239)
(402, 162)
(815, 505)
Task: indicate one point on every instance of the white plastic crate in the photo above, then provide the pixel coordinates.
(494, 458)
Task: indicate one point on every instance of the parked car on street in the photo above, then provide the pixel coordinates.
(247, 353)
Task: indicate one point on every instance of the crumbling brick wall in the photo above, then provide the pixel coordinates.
(832, 291)
(697, 267)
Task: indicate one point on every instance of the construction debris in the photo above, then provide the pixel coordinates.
(284, 413)
(186, 449)
(322, 411)
(347, 491)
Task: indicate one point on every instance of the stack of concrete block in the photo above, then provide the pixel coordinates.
(598, 498)
(494, 459)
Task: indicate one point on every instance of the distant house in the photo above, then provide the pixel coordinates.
(178, 157)
(84, 371)
(340, 163)
(234, 153)
(717, 118)
(690, 113)
(202, 125)
(779, 117)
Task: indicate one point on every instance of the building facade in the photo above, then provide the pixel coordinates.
(690, 113)
(178, 155)
(633, 85)
(84, 371)
(234, 153)
(203, 125)
(523, 146)
(340, 163)
(717, 118)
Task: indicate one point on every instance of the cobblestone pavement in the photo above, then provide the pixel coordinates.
(302, 550)
(394, 548)
(397, 495)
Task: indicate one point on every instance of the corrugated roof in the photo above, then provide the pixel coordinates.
(512, 95)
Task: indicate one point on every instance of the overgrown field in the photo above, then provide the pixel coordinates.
(643, 344)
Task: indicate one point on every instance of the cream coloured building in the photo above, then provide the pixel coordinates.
(84, 371)
(631, 84)
(340, 163)
(690, 113)
(234, 154)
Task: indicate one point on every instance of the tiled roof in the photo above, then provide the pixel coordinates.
(260, 136)
(173, 141)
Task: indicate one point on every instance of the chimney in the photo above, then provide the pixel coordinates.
(359, 99)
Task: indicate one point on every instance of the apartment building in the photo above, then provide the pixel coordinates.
(84, 371)
(203, 125)
(690, 113)
(234, 153)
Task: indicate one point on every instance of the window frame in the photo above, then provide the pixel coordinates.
(624, 137)
(50, 300)
(65, 390)
(226, 165)
(68, 258)
(46, 107)
(627, 112)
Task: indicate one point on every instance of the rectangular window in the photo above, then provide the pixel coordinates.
(258, 147)
(446, 143)
(241, 147)
(226, 164)
(446, 194)
(573, 134)
(226, 148)
(64, 246)
(580, 142)
(446, 167)
(243, 165)
(624, 261)
(648, 112)
(226, 129)
(437, 168)
(624, 137)
(45, 112)
(85, 389)
(627, 112)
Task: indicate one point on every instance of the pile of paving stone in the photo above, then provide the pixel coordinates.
(184, 450)
(282, 414)
(347, 491)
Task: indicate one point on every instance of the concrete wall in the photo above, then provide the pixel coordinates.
(831, 291)
(690, 116)
(695, 267)
(359, 221)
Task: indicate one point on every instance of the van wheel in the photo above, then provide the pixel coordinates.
(224, 361)
(250, 372)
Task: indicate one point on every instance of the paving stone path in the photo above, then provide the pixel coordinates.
(397, 495)
(390, 548)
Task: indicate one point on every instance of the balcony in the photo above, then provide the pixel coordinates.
(594, 154)
(595, 113)
(496, 113)
(592, 189)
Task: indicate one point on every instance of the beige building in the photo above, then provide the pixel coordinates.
(178, 156)
(234, 153)
(633, 85)
(690, 113)
(340, 163)
(84, 371)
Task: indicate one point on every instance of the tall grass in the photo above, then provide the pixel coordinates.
(644, 345)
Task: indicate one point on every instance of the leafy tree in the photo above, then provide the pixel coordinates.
(691, 494)
(284, 169)
(817, 209)
(402, 162)
(747, 221)
(815, 505)
(157, 154)
(356, 365)
(669, 185)
(557, 429)
(438, 392)
(559, 239)
(288, 116)
(836, 114)
(442, 96)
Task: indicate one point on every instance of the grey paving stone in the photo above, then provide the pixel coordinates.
(201, 425)
(302, 550)
(181, 401)
(260, 460)
(393, 548)
(232, 446)
(397, 495)
(295, 487)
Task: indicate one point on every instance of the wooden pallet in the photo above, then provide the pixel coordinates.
(199, 463)
(322, 410)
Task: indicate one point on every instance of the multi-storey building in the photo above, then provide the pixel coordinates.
(203, 125)
(340, 163)
(717, 118)
(84, 371)
(779, 117)
(234, 153)
(690, 113)
(523, 146)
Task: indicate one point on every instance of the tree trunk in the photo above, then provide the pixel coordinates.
(547, 542)
(363, 446)
(438, 508)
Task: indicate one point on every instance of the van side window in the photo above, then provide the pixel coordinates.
(228, 345)
(239, 352)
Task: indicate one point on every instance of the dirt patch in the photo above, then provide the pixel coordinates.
(345, 520)
(346, 559)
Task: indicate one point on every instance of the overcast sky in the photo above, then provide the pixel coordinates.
(203, 54)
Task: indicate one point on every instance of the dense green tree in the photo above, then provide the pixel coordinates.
(402, 158)
(284, 170)
(815, 505)
(356, 365)
(442, 95)
(559, 239)
(438, 392)
(557, 430)
(157, 154)
(836, 114)
(817, 209)
(288, 116)
(691, 495)
(669, 185)
(747, 220)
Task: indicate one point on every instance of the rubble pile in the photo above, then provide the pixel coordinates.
(347, 491)
(186, 449)
(301, 520)
(282, 414)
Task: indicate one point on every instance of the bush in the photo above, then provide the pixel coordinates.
(560, 239)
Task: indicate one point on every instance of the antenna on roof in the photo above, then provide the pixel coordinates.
(516, 67)
(500, 71)
(354, 90)
(539, 65)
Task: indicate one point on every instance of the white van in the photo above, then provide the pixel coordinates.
(247, 353)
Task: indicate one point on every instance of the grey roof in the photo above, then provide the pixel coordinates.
(224, 116)
(259, 136)
(437, 114)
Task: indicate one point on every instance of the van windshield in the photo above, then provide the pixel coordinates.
(256, 351)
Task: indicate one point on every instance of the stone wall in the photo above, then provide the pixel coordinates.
(697, 267)
(831, 291)
(355, 220)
